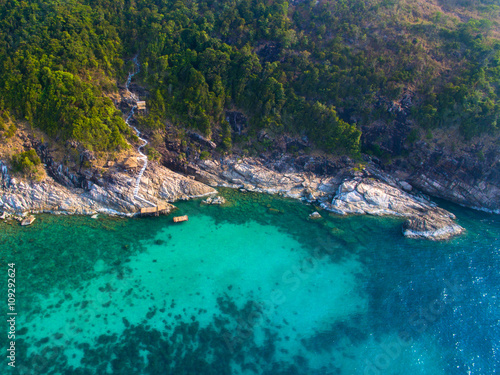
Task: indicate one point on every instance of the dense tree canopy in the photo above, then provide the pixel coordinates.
(53, 56)
(312, 68)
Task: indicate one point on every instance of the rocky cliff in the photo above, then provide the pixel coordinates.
(443, 164)
(115, 195)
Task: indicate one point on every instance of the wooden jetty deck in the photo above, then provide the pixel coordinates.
(179, 219)
(154, 211)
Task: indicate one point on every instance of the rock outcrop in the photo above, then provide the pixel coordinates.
(253, 175)
(215, 200)
(345, 192)
(315, 216)
(158, 185)
(479, 194)
(374, 197)
(432, 226)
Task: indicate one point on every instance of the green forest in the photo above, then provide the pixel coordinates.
(311, 68)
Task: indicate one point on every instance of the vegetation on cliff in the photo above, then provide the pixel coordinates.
(321, 69)
(56, 58)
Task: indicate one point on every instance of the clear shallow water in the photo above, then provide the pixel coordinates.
(253, 288)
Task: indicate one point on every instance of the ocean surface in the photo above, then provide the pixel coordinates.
(254, 287)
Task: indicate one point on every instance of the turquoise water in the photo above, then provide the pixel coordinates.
(253, 288)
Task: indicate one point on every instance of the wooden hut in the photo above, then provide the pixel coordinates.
(141, 105)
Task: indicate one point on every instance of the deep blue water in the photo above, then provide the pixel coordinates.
(253, 288)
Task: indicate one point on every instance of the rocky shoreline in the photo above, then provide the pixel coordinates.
(373, 197)
(340, 186)
(158, 185)
(120, 190)
(346, 192)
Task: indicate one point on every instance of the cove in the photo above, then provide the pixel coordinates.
(253, 288)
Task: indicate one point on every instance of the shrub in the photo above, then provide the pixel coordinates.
(153, 154)
(8, 131)
(26, 162)
(205, 155)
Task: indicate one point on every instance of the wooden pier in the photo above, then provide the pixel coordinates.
(179, 219)
(154, 211)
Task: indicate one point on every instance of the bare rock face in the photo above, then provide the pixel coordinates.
(374, 197)
(252, 175)
(45, 196)
(478, 194)
(161, 183)
(158, 186)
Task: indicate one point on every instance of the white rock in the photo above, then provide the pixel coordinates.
(348, 186)
(315, 215)
(352, 197)
(405, 185)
